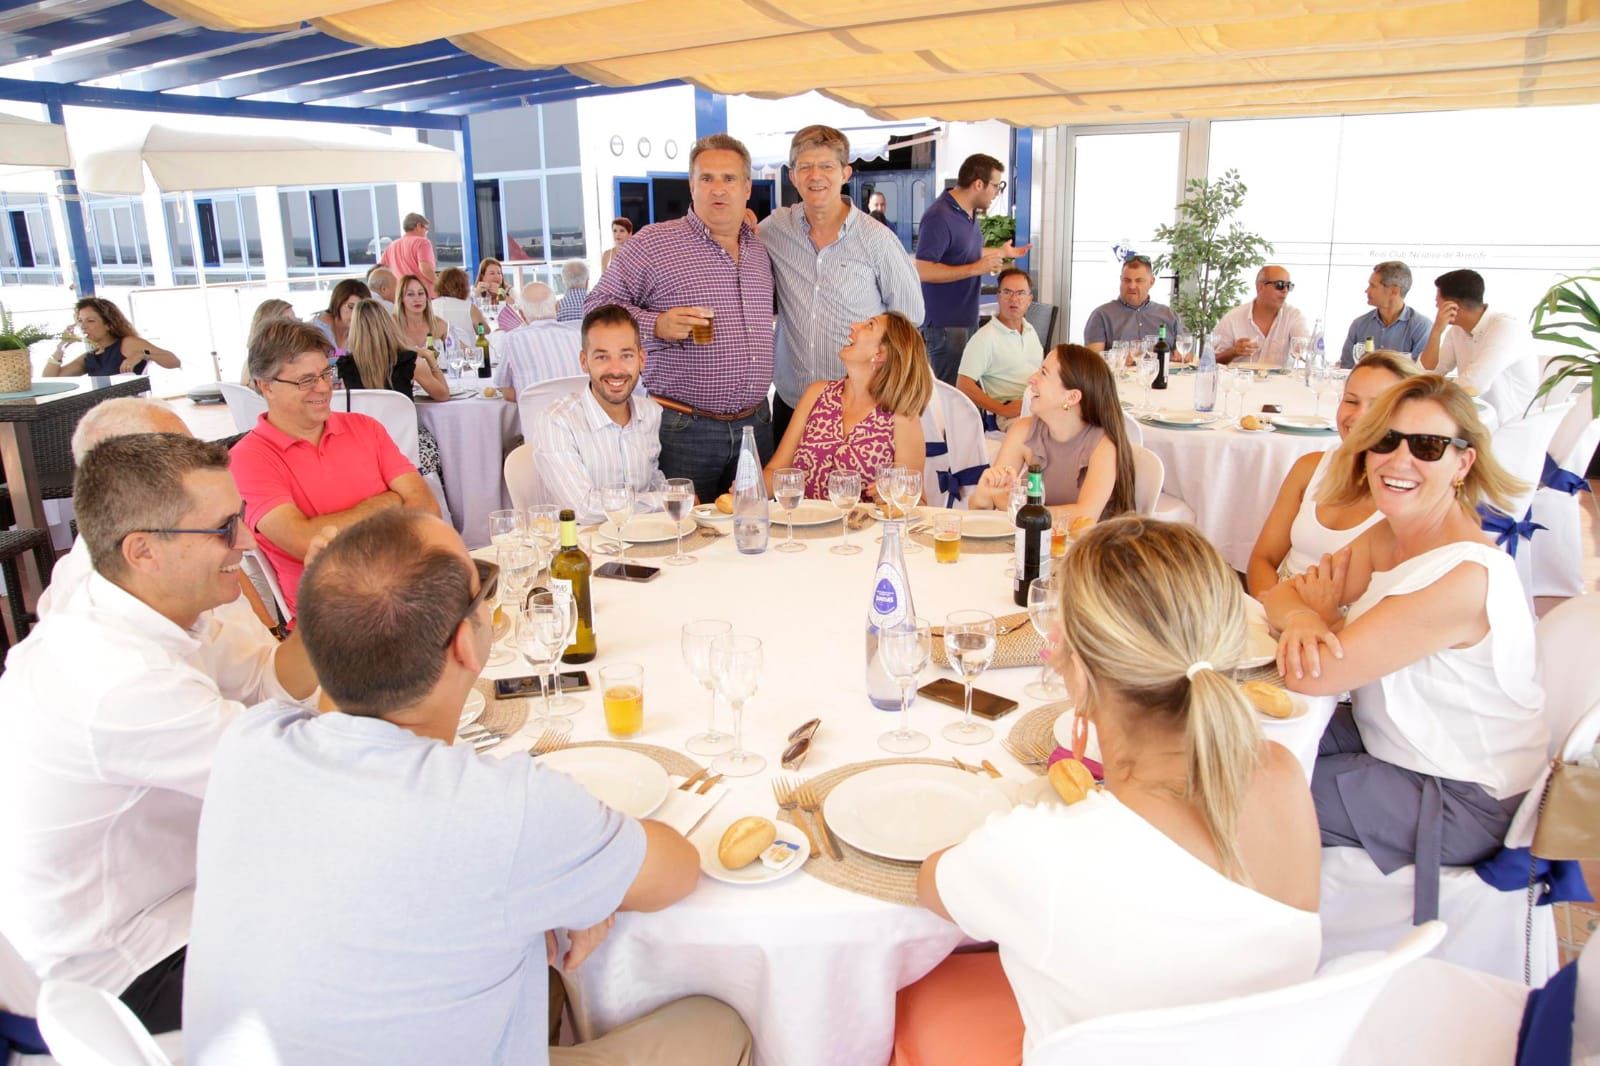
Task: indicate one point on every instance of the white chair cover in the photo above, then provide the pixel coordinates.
(1132, 429)
(1435, 1012)
(1565, 639)
(1556, 552)
(1520, 447)
(954, 421)
(1148, 477)
(256, 563)
(1308, 1024)
(533, 399)
(522, 478)
(86, 1026)
(19, 994)
(398, 413)
(244, 404)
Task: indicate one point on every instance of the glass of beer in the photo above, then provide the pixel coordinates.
(947, 536)
(1058, 538)
(703, 332)
(622, 691)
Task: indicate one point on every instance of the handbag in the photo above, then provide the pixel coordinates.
(1569, 813)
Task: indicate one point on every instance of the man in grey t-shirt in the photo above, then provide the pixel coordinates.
(370, 893)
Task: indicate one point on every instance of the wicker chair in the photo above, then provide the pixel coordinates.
(52, 446)
(14, 544)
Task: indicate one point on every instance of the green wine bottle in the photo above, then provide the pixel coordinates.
(1033, 538)
(569, 569)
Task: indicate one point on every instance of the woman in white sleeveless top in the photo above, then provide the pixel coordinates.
(1446, 732)
(1300, 531)
(1192, 877)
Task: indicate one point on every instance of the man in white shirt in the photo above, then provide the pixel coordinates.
(602, 434)
(1259, 331)
(1004, 354)
(382, 283)
(535, 347)
(371, 892)
(109, 716)
(1488, 350)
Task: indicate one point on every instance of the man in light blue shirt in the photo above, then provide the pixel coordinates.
(1391, 324)
(1004, 354)
(834, 266)
(370, 892)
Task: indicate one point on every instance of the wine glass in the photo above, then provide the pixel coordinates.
(560, 702)
(543, 526)
(1299, 350)
(1224, 378)
(677, 499)
(519, 565)
(543, 629)
(1014, 503)
(844, 491)
(1044, 611)
(736, 671)
(969, 641)
(696, 640)
(907, 482)
(1242, 380)
(507, 528)
(789, 488)
(904, 650)
(616, 500)
(1324, 379)
(1185, 347)
(1147, 373)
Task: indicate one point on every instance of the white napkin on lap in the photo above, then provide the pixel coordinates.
(685, 810)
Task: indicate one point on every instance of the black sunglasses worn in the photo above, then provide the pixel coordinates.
(1281, 286)
(488, 585)
(228, 531)
(1425, 447)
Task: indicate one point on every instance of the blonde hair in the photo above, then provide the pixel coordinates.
(1345, 482)
(1143, 601)
(375, 343)
(270, 309)
(903, 382)
(1399, 364)
(400, 302)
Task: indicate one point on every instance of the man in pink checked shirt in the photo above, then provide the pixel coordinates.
(704, 269)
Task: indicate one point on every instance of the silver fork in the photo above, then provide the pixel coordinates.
(548, 741)
(1027, 755)
(783, 793)
(812, 806)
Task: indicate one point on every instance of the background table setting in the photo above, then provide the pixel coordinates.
(810, 955)
(474, 433)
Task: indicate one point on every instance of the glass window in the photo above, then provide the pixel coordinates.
(524, 219)
(360, 238)
(560, 136)
(388, 202)
(565, 193)
(252, 229)
(105, 235)
(18, 248)
(142, 235)
(178, 233)
(296, 228)
(442, 204)
(228, 231)
(205, 213)
(325, 227)
(127, 243)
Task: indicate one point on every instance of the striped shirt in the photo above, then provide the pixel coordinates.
(679, 264)
(578, 448)
(863, 273)
(536, 352)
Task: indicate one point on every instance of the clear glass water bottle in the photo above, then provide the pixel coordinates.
(890, 605)
(1205, 377)
(751, 515)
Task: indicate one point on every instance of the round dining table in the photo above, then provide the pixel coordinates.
(812, 968)
(474, 433)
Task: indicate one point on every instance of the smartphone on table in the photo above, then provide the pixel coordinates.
(628, 571)
(506, 688)
(984, 704)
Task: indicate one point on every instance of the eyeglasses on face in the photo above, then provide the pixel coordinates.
(1425, 447)
(228, 531)
(1281, 286)
(309, 382)
(998, 186)
(488, 585)
(1015, 293)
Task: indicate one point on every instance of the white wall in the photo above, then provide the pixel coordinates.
(662, 116)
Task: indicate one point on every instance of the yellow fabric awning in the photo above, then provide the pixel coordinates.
(1033, 64)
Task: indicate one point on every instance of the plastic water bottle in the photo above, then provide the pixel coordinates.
(890, 606)
(751, 515)
(1205, 378)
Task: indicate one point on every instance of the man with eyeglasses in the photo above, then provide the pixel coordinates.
(1004, 354)
(832, 269)
(373, 892)
(110, 713)
(1259, 330)
(1132, 315)
(304, 467)
(952, 262)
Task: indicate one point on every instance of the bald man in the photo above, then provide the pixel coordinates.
(382, 282)
(1259, 330)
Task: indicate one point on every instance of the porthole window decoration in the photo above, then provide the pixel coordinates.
(644, 147)
(617, 144)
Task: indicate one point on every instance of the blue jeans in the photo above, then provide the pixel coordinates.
(945, 345)
(707, 451)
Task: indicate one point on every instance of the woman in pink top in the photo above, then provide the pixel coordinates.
(871, 416)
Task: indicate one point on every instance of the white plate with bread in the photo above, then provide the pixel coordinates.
(731, 851)
(1273, 703)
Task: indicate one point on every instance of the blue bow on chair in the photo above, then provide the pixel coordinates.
(1561, 480)
(1506, 529)
(952, 483)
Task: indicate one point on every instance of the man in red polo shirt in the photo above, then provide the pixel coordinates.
(306, 468)
(412, 253)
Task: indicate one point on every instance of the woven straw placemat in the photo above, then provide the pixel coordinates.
(1020, 647)
(501, 716)
(1037, 727)
(859, 872)
(971, 545)
(673, 762)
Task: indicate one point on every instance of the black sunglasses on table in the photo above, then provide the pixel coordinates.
(488, 585)
(1426, 447)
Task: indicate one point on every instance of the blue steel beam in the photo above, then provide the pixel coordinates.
(469, 196)
(710, 113)
(508, 85)
(81, 29)
(383, 79)
(99, 64)
(548, 98)
(1022, 188)
(72, 210)
(271, 76)
(294, 47)
(439, 87)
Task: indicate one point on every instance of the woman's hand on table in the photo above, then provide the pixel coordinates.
(1300, 645)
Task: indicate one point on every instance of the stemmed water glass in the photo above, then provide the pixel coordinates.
(1014, 503)
(506, 528)
(844, 492)
(1044, 611)
(1147, 373)
(969, 642)
(736, 670)
(696, 641)
(906, 484)
(1224, 385)
(543, 525)
(1185, 348)
(789, 488)
(1324, 379)
(677, 499)
(543, 630)
(904, 650)
(1299, 351)
(1240, 383)
(616, 500)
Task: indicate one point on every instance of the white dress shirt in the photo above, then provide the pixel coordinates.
(1495, 361)
(109, 714)
(538, 351)
(1271, 346)
(577, 448)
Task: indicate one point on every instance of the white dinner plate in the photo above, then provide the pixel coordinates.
(472, 710)
(708, 514)
(647, 529)
(1258, 368)
(878, 513)
(986, 525)
(621, 779)
(908, 811)
(707, 839)
(809, 513)
(1181, 419)
(1302, 423)
(1259, 647)
(1061, 729)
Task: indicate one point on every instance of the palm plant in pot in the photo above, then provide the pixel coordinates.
(1569, 314)
(16, 369)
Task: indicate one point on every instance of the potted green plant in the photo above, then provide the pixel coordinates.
(997, 229)
(1569, 314)
(1210, 251)
(16, 369)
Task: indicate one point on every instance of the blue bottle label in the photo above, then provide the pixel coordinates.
(888, 597)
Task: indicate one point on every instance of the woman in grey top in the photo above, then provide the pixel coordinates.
(1075, 430)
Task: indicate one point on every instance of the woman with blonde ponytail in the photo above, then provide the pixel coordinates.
(1191, 877)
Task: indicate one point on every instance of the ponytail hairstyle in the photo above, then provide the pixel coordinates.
(1145, 604)
(903, 382)
(375, 344)
(1083, 369)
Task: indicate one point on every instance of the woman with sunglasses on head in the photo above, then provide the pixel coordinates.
(113, 346)
(1300, 530)
(1424, 621)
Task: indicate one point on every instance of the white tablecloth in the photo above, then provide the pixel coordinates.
(813, 969)
(473, 435)
(1229, 476)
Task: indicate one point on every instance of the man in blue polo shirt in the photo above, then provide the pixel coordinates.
(951, 261)
(1391, 324)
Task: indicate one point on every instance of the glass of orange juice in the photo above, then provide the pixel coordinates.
(622, 691)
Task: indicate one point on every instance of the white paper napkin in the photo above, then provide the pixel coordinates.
(685, 810)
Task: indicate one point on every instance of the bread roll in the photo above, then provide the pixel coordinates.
(1251, 422)
(1081, 525)
(1071, 780)
(744, 841)
(1269, 699)
(725, 503)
